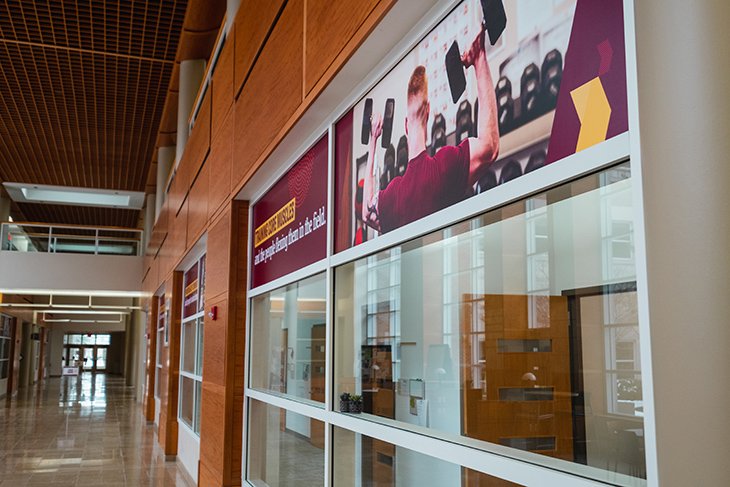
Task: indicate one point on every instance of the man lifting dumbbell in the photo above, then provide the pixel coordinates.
(430, 183)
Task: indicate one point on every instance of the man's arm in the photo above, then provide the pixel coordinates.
(370, 195)
(484, 148)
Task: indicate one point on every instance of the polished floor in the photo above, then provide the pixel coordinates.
(86, 431)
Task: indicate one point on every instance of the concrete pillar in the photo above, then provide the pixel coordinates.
(231, 9)
(191, 76)
(149, 221)
(683, 121)
(165, 158)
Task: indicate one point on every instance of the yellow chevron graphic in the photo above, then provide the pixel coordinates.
(594, 112)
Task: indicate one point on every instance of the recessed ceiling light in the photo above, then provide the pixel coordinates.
(66, 195)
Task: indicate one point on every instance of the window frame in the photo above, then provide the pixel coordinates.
(502, 463)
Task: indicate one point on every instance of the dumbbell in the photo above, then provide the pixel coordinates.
(530, 90)
(536, 161)
(486, 182)
(511, 170)
(505, 104)
(494, 21)
(464, 123)
(552, 74)
(401, 156)
(388, 114)
(438, 133)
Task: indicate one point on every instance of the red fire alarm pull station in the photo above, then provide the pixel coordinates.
(213, 313)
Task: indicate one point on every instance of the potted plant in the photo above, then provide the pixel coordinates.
(356, 404)
(345, 402)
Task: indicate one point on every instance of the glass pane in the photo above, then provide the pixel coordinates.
(74, 339)
(523, 320)
(198, 397)
(88, 358)
(187, 362)
(65, 339)
(199, 354)
(4, 369)
(288, 340)
(289, 448)
(158, 353)
(101, 358)
(88, 339)
(362, 460)
(187, 388)
(103, 339)
(4, 348)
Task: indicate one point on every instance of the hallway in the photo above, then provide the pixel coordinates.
(84, 431)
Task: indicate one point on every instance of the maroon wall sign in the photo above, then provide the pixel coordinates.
(191, 291)
(290, 221)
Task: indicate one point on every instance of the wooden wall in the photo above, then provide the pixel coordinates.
(277, 59)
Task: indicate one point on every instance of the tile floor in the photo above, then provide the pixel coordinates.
(86, 431)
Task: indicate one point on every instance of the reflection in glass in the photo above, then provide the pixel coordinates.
(288, 340)
(285, 448)
(188, 346)
(187, 400)
(523, 320)
(360, 460)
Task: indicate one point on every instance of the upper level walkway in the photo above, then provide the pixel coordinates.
(86, 431)
(55, 259)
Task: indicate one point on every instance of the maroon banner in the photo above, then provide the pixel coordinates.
(289, 222)
(484, 98)
(190, 291)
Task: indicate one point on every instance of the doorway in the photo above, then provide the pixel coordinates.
(88, 352)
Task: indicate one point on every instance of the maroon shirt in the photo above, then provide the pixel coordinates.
(429, 184)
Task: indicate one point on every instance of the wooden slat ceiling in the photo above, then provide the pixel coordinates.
(82, 87)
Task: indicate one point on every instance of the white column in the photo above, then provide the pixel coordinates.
(191, 75)
(231, 9)
(684, 127)
(165, 158)
(149, 221)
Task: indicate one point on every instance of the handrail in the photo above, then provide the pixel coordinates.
(20, 237)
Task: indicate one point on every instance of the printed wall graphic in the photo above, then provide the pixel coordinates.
(194, 288)
(290, 220)
(496, 90)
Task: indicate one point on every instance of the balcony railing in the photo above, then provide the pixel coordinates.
(70, 239)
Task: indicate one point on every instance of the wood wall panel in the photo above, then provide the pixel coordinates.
(217, 260)
(198, 206)
(167, 434)
(329, 27)
(252, 25)
(214, 340)
(214, 426)
(220, 161)
(222, 85)
(273, 91)
(198, 145)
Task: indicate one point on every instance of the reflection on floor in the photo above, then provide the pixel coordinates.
(85, 431)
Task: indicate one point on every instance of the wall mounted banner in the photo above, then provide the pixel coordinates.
(289, 221)
(498, 89)
(190, 291)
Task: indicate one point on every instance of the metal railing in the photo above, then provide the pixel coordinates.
(70, 239)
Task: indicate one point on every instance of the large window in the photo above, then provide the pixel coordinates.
(517, 328)
(191, 346)
(162, 319)
(288, 340)
(279, 456)
(6, 337)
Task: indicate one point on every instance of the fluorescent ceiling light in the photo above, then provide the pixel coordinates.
(67, 195)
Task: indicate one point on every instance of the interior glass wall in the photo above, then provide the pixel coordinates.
(288, 348)
(517, 328)
(279, 456)
(191, 346)
(360, 460)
